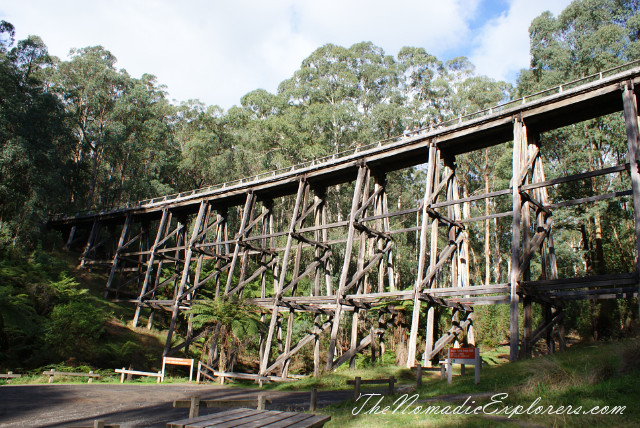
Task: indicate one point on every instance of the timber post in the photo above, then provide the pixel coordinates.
(633, 136)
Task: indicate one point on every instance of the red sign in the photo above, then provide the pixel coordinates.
(462, 353)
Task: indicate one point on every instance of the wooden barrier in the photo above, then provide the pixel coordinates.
(9, 376)
(195, 403)
(51, 373)
(247, 376)
(358, 381)
(124, 371)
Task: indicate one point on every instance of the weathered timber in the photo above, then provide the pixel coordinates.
(257, 251)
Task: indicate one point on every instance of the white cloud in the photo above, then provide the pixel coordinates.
(502, 46)
(218, 51)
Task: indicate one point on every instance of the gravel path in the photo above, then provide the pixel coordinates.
(130, 405)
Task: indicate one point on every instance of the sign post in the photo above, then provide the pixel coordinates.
(463, 356)
(178, 362)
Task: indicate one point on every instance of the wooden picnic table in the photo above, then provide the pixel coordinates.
(251, 418)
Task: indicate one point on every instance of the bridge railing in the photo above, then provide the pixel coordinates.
(354, 150)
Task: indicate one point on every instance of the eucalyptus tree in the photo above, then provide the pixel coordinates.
(90, 87)
(33, 140)
(423, 85)
(141, 163)
(204, 145)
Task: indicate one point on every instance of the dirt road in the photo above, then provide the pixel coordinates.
(130, 405)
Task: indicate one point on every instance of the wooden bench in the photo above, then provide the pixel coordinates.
(195, 403)
(359, 381)
(250, 418)
(9, 376)
(124, 371)
(51, 373)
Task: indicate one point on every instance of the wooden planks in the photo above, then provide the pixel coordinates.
(253, 419)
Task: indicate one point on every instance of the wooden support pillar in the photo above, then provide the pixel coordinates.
(298, 222)
(246, 217)
(633, 137)
(71, 238)
(95, 227)
(432, 311)
(302, 186)
(344, 273)
(322, 270)
(267, 228)
(432, 168)
(114, 262)
(527, 151)
(519, 135)
(362, 248)
(185, 273)
(222, 235)
(164, 221)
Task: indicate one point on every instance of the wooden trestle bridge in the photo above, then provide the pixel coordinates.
(190, 236)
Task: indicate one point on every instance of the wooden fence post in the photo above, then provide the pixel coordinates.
(98, 424)
(261, 401)
(313, 401)
(194, 409)
(392, 381)
(356, 388)
(419, 376)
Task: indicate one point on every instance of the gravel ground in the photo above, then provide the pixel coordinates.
(130, 405)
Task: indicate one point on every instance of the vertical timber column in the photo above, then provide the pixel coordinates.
(433, 260)
(114, 263)
(453, 231)
(514, 275)
(362, 249)
(449, 164)
(344, 273)
(95, 227)
(527, 151)
(548, 256)
(152, 254)
(204, 205)
(460, 213)
(267, 227)
(633, 136)
(277, 292)
(246, 218)
(221, 249)
(322, 271)
(422, 256)
(296, 271)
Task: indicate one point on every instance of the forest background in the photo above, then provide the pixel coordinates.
(81, 133)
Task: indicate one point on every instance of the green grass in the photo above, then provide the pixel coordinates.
(586, 375)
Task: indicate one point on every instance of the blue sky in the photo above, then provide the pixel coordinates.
(217, 51)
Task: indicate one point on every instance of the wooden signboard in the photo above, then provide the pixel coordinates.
(464, 356)
(178, 362)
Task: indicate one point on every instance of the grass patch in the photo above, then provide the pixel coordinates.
(585, 377)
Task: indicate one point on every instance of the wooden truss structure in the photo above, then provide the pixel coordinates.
(166, 253)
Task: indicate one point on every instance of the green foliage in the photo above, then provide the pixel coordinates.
(239, 318)
(74, 329)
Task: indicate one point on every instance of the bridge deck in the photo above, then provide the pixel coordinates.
(492, 127)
